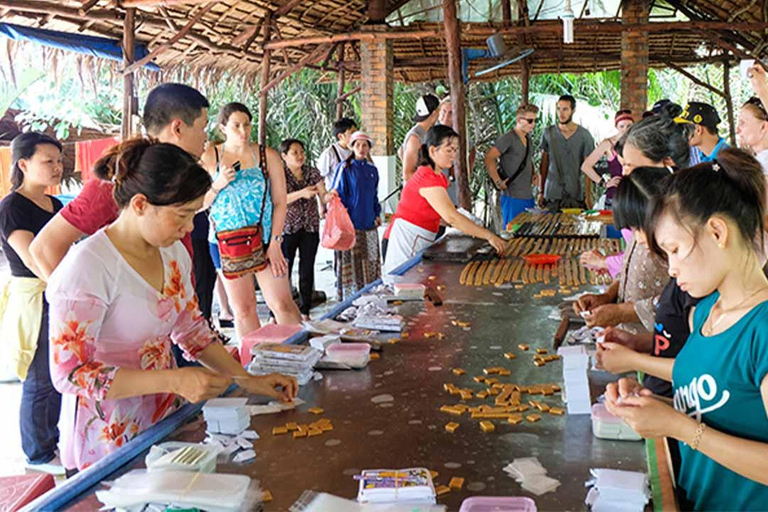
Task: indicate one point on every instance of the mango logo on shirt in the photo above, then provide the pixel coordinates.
(698, 397)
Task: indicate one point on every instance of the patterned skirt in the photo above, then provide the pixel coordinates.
(359, 266)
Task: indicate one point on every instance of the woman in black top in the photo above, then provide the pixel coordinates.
(36, 165)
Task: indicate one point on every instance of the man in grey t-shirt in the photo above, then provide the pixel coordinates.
(564, 148)
(513, 174)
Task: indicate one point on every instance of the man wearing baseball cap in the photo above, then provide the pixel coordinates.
(704, 141)
(427, 113)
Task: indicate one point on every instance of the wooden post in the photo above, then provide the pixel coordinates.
(129, 34)
(341, 81)
(506, 12)
(525, 76)
(729, 100)
(265, 63)
(453, 44)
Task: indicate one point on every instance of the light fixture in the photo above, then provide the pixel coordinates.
(567, 18)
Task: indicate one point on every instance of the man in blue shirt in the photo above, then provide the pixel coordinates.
(704, 140)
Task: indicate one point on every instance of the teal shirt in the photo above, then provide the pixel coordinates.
(717, 380)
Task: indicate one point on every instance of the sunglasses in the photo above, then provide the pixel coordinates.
(529, 119)
(755, 102)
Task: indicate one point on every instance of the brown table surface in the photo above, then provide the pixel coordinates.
(409, 431)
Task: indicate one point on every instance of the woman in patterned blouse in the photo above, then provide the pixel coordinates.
(304, 185)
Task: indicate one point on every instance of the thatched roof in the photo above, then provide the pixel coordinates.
(228, 35)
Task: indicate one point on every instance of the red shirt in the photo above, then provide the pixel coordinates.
(413, 207)
(95, 207)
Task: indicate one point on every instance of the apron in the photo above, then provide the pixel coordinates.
(406, 240)
(21, 308)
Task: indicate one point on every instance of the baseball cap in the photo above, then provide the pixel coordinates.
(697, 112)
(425, 106)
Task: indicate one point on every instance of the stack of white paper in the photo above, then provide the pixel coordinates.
(227, 415)
(413, 485)
(618, 491)
(531, 475)
(575, 365)
(379, 322)
(409, 291)
(294, 360)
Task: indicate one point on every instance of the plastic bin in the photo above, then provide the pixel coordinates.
(271, 333)
(607, 426)
(498, 504)
(355, 355)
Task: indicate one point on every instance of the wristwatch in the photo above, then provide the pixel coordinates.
(278, 238)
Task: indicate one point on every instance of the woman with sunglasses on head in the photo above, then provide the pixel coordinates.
(425, 201)
(709, 218)
(623, 120)
(513, 174)
(752, 128)
(248, 202)
(123, 296)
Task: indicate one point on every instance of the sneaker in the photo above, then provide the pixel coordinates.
(52, 467)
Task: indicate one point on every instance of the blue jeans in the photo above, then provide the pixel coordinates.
(40, 404)
(511, 207)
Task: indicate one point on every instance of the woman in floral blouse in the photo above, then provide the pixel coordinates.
(123, 296)
(302, 222)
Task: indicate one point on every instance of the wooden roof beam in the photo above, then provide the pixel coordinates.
(553, 27)
(167, 45)
(248, 35)
(310, 58)
(694, 79)
(87, 5)
(159, 3)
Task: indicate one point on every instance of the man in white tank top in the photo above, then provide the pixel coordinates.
(427, 112)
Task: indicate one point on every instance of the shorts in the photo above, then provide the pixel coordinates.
(215, 256)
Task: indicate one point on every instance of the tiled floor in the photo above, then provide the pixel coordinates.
(11, 456)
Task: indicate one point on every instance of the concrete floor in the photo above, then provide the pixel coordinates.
(12, 458)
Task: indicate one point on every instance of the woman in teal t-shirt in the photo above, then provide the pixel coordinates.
(706, 225)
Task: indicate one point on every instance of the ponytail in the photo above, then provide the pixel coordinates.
(435, 138)
(164, 173)
(732, 186)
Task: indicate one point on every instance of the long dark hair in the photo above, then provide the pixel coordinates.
(635, 195)
(435, 138)
(660, 137)
(24, 146)
(164, 173)
(733, 186)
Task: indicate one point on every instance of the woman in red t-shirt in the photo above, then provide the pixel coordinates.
(425, 201)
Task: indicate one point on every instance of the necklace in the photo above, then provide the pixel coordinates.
(723, 314)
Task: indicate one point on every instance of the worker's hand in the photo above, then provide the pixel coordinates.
(274, 385)
(498, 243)
(606, 315)
(648, 416)
(615, 358)
(588, 302)
(277, 259)
(617, 392)
(613, 182)
(540, 200)
(198, 384)
(621, 337)
(593, 259)
(757, 77)
(226, 175)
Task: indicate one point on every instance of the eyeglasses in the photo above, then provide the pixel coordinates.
(530, 120)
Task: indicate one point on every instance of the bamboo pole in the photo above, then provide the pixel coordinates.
(453, 45)
(309, 58)
(695, 79)
(729, 100)
(340, 83)
(167, 45)
(265, 63)
(129, 34)
(346, 95)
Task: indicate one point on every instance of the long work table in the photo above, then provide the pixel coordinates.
(388, 415)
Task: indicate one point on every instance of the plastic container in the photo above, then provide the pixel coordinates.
(498, 504)
(177, 456)
(542, 259)
(571, 211)
(271, 333)
(607, 426)
(354, 355)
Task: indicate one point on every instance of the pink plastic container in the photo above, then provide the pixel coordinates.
(271, 333)
(498, 504)
(355, 355)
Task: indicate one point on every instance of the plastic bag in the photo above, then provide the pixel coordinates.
(339, 232)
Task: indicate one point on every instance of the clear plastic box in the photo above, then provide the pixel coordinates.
(607, 426)
(178, 456)
(354, 355)
(498, 504)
